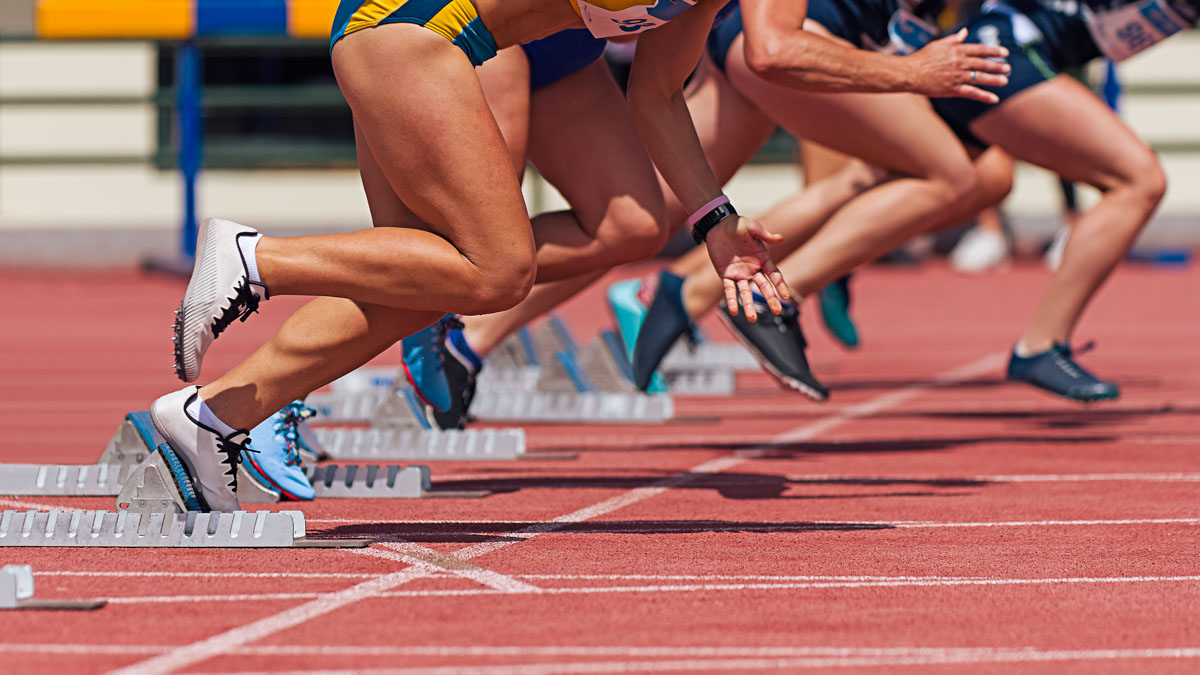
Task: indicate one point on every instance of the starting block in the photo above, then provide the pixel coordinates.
(684, 357)
(16, 592)
(151, 529)
(135, 443)
(401, 429)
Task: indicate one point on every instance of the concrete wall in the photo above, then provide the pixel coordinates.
(118, 213)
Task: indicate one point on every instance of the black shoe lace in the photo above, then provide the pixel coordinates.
(243, 303)
(233, 454)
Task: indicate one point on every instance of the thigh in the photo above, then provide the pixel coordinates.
(386, 208)
(1056, 124)
(899, 132)
(422, 113)
(505, 82)
(731, 128)
(583, 141)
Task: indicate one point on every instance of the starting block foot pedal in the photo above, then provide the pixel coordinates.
(16, 592)
(378, 482)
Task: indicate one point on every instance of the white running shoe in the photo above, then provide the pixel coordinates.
(220, 291)
(1054, 254)
(211, 459)
(979, 250)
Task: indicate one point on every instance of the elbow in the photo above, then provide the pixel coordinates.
(765, 58)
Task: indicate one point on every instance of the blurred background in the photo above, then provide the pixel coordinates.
(107, 125)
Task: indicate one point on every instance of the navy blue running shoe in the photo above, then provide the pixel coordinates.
(778, 343)
(461, 365)
(1056, 371)
(835, 312)
(423, 362)
(666, 320)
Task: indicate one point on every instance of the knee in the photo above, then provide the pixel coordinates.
(1147, 180)
(994, 187)
(632, 229)
(502, 284)
(958, 185)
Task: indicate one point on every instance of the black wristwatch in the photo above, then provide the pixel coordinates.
(710, 220)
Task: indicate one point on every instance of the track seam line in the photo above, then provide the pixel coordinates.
(220, 643)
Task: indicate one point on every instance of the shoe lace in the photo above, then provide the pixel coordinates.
(446, 325)
(243, 303)
(287, 426)
(1064, 356)
(233, 449)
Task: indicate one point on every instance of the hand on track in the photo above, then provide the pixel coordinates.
(949, 67)
(737, 248)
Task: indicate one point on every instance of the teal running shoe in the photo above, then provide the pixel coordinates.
(835, 312)
(424, 352)
(629, 313)
(275, 463)
(1056, 371)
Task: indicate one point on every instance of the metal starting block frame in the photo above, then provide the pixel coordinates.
(16, 592)
(708, 356)
(138, 529)
(135, 441)
(401, 430)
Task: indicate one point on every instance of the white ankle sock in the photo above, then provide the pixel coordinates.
(248, 246)
(198, 410)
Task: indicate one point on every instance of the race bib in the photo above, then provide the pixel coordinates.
(1125, 31)
(605, 22)
(908, 33)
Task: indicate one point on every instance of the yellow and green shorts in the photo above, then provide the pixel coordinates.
(455, 20)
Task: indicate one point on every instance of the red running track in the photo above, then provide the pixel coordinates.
(929, 517)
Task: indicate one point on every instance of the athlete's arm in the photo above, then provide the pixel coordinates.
(780, 50)
(664, 58)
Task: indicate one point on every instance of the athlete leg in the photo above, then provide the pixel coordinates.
(1055, 125)
(897, 132)
(583, 141)
(407, 86)
(331, 336)
(505, 82)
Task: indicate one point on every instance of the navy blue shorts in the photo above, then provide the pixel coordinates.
(722, 35)
(1030, 54)
(554, 57)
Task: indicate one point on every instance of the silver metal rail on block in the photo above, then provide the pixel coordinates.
(149, 529)
(16, 592)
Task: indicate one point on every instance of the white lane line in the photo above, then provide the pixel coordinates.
(894, 582)
(435, 562)
(597, 651)
(206, 575)
(964, 657)
(222, 642)
(539, 577)
(689, 526)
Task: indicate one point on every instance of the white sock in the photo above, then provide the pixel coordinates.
(1024, 352)
(198, 410)
(248, 245)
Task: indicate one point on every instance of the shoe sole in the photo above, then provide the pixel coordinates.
(1077, 399)
(188, 468)
(784, 380)
(184, 341)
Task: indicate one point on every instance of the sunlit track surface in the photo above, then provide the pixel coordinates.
(928, 517)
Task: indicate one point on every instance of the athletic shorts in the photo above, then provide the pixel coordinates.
(1035, 56)
(455, 20)
(722, 35)
(564, 53)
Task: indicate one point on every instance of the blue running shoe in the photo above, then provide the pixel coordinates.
(1056, 371)
(461, 366)
(423, 365)
(835, 312)
(276, 464)
(666, 321)
(629, 313)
